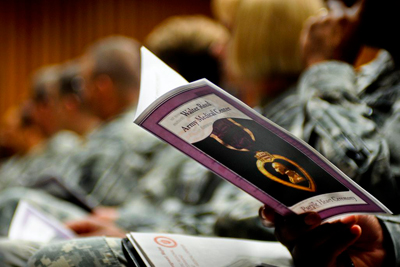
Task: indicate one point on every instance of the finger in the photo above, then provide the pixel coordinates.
(267, 215)
(327, 253)
(323, 234)
(289, 229)
(342, 241)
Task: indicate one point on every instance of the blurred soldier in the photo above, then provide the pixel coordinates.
(43, 114)
(61, 115)
(174, 191)
(263, 59)
(118, 152)
(19, 135)
(353, 119)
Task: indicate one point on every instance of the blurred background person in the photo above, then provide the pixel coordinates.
(263, 59)
(44, 86)
(264, 53)
(353, 118)
(104, 84)
(19, 137)
(74, 114)
(60, 109)
(189, 44)
(179, 186)
(60, 114)
(351, 115)
(118, 152)
(175, 188)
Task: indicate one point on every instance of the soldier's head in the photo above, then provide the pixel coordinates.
(45, 84)
(73, 112)
(189, 44)
(18, 131)
(111, 73)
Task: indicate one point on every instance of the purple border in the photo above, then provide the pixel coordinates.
(151, 124)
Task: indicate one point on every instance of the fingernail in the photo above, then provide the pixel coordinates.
(261, 212)
(312, 219)
(355, 230)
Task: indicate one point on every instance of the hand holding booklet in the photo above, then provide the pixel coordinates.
(243, 147)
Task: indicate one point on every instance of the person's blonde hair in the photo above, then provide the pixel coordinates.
(225, 11)
(266, 37)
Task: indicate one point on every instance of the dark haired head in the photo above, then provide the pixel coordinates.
(44, 80)
(70, 80)
(119, 58)
(186, 44)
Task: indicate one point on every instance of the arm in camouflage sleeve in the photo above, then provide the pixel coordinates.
(392, 226)
(338, 125)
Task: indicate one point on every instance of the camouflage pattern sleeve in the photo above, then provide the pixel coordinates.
(115, 156)
(11, 170)
(335, 121)
(340, 126)
(16, 252)
(173, 186)
(96, 252)
(392, 225)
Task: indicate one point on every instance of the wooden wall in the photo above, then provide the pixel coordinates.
(34, 33)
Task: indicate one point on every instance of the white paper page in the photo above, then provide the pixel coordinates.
(30, 224)
(181, 251)
(156, 79)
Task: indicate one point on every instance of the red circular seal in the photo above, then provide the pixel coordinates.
(165, 241)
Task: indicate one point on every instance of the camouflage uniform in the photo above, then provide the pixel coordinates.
(52, 158)
(16, 253)
(354, 120)
(112, 160)
(181, 196)
(98, 251)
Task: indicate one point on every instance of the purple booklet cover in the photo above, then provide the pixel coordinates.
(243, 147)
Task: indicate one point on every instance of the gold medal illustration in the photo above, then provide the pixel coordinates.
(233, 135)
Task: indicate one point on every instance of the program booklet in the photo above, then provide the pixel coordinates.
(243, 147)
(30, 224)
(166, 250)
